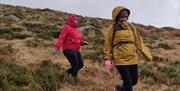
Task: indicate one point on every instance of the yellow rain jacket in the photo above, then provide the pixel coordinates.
(125, 54)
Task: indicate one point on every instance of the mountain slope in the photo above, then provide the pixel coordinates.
(27, 37)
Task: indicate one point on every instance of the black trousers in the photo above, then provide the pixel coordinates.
(129, 75)
(76, 61)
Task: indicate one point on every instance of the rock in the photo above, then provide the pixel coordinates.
(91, 33)
(12, 17)
(88, 30)
(82, 29)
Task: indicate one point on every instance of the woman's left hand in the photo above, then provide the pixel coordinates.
(85, 43)
(108, 64)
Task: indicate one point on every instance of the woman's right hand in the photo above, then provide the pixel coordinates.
(54, 51)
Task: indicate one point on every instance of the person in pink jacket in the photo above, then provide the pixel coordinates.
(70, 39)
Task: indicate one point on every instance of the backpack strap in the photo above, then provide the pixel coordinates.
(131, 27)
(115, 27)
(134, 30)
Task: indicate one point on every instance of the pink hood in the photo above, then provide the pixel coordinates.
(72, 20)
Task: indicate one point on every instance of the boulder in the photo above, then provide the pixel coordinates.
(12, 17)
(88, 31)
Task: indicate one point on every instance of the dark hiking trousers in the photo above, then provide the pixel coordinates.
(76, 61)
(129, 75)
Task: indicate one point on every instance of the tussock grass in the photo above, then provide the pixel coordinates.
(37, 42)
(6, 49)
(165, 46)
(11, 33)
(168, 74)
(46, 77)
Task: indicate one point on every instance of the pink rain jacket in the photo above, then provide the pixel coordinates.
(70, 37)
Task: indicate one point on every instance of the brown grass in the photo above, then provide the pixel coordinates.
(93, 77)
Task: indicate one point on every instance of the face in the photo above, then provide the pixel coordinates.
(75, 19)
(122, 16)
(122, 19)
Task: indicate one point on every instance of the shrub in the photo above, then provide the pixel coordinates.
(91, 56)
(81, 22)
(17, 75)
(46, 77)
(50, 77)
(54, 34)
(6, 49)
(177, 34)
(165, 46)
(173, 71)
(153, 36)
(6, 33)
(168, 74)
(13, 77)
(12, 33)
(34, 27)
(37, 42)
(17, 12)
(35, 30)
(44, 35)
(21, 36)
(96, 23)
(170, 71)
(99, 53)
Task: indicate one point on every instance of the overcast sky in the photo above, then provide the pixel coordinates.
(159, 13)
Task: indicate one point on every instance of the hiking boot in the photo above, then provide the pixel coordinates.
(118, 88)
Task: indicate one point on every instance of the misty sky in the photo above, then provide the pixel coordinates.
(159, 13)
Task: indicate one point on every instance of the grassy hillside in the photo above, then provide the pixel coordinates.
(26, 63)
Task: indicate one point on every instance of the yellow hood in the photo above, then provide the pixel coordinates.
(116, 11)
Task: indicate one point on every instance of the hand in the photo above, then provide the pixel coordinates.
(150, 63)
(54, 51)
(149, 59)
(85, 43)
(108, 64)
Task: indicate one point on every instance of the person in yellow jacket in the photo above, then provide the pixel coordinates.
(122, 41)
